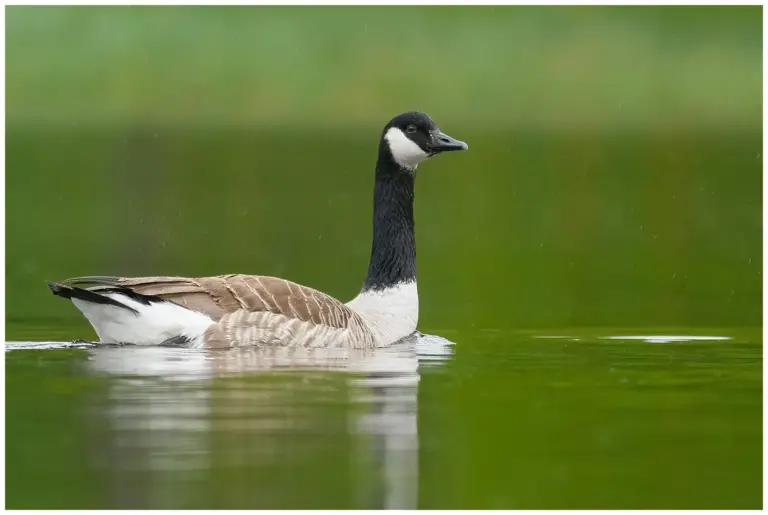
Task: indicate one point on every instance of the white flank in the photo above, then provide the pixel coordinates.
(153, 324)
(391, 314)
(406, 152)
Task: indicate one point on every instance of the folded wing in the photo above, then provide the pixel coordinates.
(220, 295)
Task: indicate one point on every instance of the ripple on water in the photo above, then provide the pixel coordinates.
(653, 338)
(402, 359)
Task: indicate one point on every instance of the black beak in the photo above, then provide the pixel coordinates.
(442, 142)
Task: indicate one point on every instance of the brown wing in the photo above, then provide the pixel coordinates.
(218, 295)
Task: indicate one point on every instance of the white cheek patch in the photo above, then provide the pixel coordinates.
(406, 153)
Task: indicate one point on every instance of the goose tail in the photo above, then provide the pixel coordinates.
(121, 315)
(74, 293)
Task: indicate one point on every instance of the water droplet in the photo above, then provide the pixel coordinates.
(750, 261)
(674, 274)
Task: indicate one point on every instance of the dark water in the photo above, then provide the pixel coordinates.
(651, 236)
(600, 419)
(525, 230)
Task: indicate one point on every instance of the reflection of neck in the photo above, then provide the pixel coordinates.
(393, 253)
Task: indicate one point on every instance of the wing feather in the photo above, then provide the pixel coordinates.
(220, 295)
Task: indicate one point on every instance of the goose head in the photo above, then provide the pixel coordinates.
(411, 138)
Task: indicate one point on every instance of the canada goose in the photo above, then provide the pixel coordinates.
(239, 310)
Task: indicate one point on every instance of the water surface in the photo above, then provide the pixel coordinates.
(639, 240)
(500, 419)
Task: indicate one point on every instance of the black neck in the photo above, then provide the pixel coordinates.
(393, 256)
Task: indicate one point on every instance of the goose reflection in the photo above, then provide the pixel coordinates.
(180, 417)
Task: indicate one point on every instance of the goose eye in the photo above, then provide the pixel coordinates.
(411, 129)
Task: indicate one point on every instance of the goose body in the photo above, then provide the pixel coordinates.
(242, 310)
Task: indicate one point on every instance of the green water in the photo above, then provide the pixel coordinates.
(596, 256)
(511, 420)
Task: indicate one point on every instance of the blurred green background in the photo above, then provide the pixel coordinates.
(613, 180)
(614, 176)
